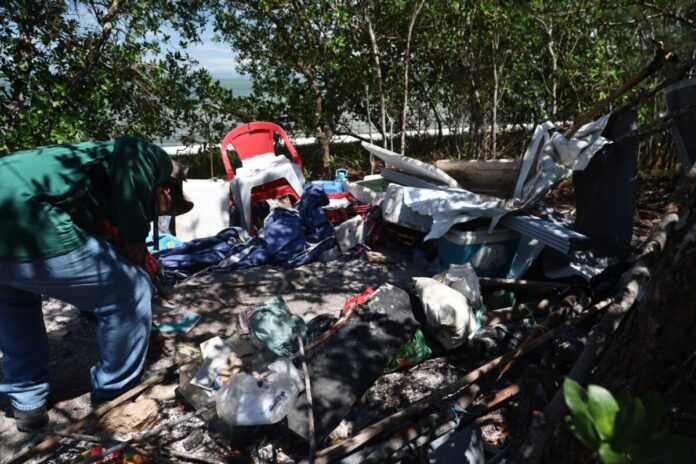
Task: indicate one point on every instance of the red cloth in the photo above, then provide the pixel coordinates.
(357, 299)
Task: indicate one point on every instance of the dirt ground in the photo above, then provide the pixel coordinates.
(317, 288)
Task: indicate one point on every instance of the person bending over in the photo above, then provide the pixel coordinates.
(60, 205)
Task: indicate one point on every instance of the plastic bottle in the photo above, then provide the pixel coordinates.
(341, 175)
(245, 400)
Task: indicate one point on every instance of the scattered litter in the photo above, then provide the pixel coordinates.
(350, 233)
(463, 279)
(500, 298)
(215, 354)
(447, 311)
(182, 321)
(413, 352)
(247, 400)
(112, 458)
(273, 326)
(346, 365)
(490, 253)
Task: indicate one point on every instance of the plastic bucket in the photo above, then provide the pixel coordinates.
(489, 253)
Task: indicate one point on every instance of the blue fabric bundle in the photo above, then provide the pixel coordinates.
(291, 237)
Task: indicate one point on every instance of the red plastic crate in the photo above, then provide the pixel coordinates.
(335, 216)
(359, 209)
(339, 215)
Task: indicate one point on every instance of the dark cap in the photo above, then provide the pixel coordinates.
(180, 202)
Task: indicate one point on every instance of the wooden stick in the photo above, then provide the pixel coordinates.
(678, 75)
(50, 442)
(530, 286)
(310, 409)
(475, 415)
(511, 313)
(440, 423)
(368, 433)
(81, 437)
(661, 57)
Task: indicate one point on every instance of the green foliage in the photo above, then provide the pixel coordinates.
(72, 70)
(624, 429)
(67, 79)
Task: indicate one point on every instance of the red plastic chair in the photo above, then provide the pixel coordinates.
(254, 139)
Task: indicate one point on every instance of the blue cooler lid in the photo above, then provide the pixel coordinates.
(331, 186)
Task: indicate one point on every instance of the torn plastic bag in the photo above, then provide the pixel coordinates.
(273, 326)
(246, 400)
(463, 279)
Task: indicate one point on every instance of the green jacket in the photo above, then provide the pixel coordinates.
(45, 193)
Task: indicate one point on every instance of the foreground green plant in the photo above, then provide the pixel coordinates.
(624, 429)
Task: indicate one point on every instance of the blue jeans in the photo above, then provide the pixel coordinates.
(94, 277)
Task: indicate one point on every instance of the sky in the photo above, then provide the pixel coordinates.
(216, 57)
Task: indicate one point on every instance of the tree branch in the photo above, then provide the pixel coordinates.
(689, 22)
(95, 53)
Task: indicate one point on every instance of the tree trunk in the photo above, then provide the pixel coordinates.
(380, 84)
(494, 102)
(323, 136)
(404, 113)
(554, 73)
(656, 341)
(476, 106)
(475, 123)
(438, 120)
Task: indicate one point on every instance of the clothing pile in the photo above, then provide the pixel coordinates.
(290, 238)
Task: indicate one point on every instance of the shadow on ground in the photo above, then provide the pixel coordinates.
(318, 288)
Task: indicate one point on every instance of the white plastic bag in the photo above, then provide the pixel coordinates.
(463, 279)
(447, 312)
(245, 400)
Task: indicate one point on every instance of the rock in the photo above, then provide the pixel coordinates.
(161, 392)
(130, 417)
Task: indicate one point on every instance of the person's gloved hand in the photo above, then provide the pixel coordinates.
(135, 252)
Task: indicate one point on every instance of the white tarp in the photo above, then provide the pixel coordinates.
(410, 165)
(549, 159)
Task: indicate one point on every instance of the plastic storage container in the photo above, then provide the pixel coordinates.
(331, 186)
(489, 253)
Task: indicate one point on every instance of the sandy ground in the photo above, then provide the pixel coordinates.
(317, 288)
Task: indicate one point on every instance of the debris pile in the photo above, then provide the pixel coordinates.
(462, 309)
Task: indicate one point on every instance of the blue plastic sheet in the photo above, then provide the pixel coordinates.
(291, 237)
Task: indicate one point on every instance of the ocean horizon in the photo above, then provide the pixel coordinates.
(240, 86)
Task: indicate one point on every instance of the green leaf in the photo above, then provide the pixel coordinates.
(603, 408)
(581, 422)
(609, 456)
(575, 397)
